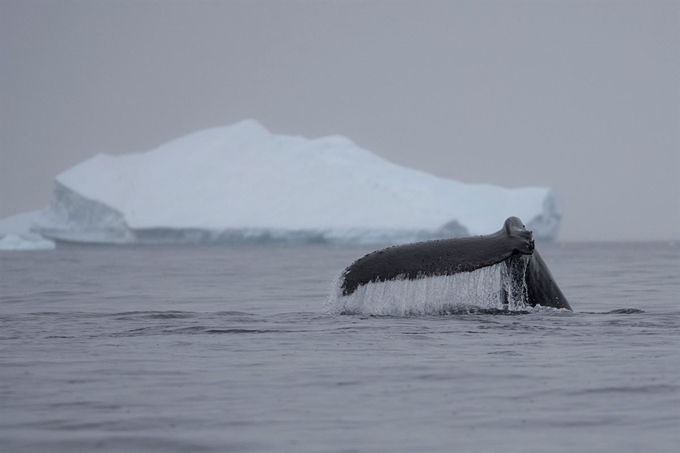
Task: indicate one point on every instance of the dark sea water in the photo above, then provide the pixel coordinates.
(192, 349)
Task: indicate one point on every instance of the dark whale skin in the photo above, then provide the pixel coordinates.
(452, 256)
(541, 286)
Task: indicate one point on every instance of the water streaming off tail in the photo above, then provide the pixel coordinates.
(482, 289)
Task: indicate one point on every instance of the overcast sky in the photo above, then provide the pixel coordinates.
(583, 97)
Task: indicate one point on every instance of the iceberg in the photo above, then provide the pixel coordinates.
(243, 183)
(20, 224)
(16, 242)
(15, 233)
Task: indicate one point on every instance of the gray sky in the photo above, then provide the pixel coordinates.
(583, 97)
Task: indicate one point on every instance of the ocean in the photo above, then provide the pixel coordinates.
(240, 349)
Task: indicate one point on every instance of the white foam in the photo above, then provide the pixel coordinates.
(480, 289)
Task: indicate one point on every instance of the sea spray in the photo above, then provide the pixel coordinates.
(513, 282)
(487, 288)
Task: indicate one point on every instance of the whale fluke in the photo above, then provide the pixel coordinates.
(513, 245)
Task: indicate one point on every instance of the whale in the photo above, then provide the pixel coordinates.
(529, 279)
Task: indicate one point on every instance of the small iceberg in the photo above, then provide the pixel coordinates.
(18, 243)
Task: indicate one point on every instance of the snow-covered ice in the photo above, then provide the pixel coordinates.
(16, 234)
(20, 224)
(16, 242)
(242, 182)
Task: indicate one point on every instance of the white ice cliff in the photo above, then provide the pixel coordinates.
(242, 183)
